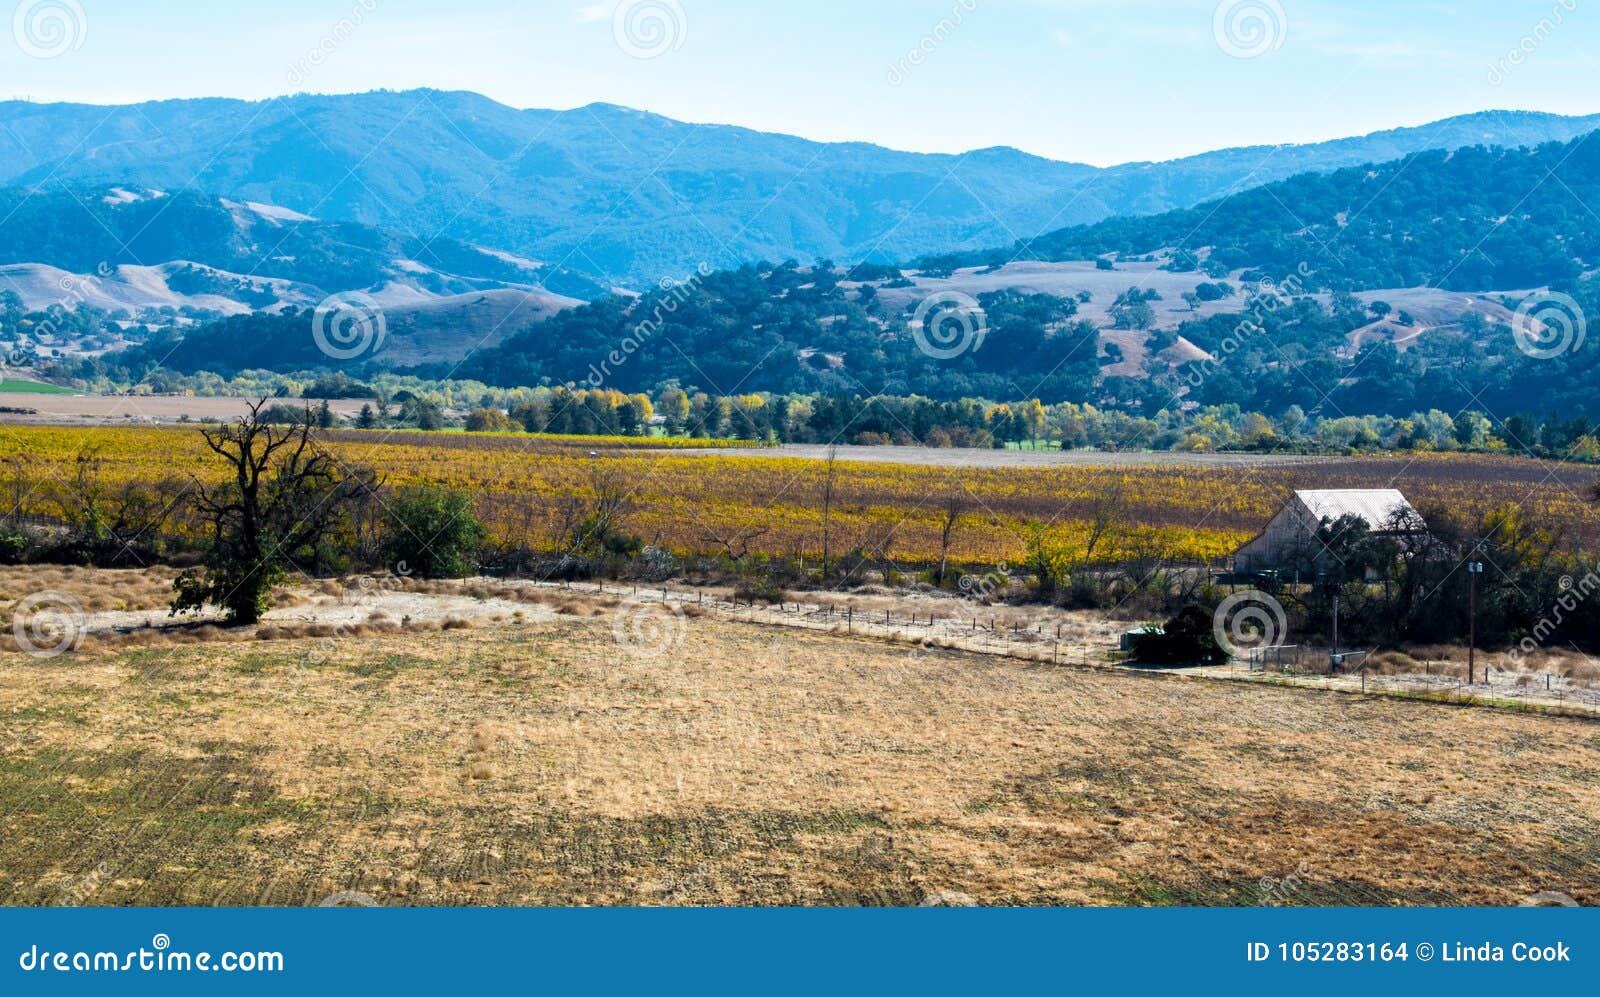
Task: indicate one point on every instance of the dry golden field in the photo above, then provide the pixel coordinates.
(541, 761)
(1182, 506)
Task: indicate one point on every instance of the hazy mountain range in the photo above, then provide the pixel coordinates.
(1441, 243)
(630, 197)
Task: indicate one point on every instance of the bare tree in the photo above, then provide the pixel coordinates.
(736, 542)
(1108, 510)
(279, 504)
(590, 524)
(829, 478)
(113, 525)
(609, 505)
(952, 516)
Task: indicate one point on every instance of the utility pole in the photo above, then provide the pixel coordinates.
(1474, 569)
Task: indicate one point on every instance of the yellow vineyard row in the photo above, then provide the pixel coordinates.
(527, 489)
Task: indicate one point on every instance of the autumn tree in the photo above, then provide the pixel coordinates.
(673, 405)
(490, 420)
(114, 524)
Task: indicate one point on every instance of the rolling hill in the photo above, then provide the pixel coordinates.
(142, 247)
(632, 196)
(1478, 218)
(128, 261)
(1425, 239)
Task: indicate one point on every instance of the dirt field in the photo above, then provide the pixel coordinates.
(85, 410)
(580, 754)
(958, 457)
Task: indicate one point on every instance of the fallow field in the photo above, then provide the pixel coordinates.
(538, 760)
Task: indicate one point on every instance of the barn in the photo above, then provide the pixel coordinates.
(1289, 542)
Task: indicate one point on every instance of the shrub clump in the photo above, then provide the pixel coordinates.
(433, 533)
(1188, 638)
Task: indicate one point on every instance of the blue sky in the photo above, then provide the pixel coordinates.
(1099, 81)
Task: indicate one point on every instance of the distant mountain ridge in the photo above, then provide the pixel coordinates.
(1154, 188)
(631, 196)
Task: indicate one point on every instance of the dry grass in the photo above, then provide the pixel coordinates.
(95, 589)
(1451, 660)
(121, 609)
(541, 764)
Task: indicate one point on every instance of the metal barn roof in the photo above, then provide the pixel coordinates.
(1378, 506)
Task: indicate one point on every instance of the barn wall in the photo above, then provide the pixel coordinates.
(1283, 544)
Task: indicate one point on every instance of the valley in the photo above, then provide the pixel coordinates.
(418, 498)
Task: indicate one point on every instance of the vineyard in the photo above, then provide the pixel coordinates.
(760, 505)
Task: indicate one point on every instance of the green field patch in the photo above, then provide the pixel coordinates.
(10, 385)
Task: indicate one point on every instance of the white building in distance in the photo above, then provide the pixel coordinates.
(1289, 543)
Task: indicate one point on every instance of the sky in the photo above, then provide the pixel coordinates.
(1096, 81)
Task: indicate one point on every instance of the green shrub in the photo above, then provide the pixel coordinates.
(431, 532)
(1187, 639)
(762, 588)
(13, 545)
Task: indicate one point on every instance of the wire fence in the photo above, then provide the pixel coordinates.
(1049, 642)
